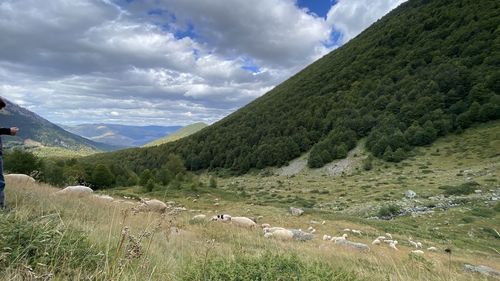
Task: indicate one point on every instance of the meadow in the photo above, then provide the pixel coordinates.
(53, 237)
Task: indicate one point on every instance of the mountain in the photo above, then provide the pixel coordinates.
(179, 134)
(121, 135)
(425, 70)
(36, 131)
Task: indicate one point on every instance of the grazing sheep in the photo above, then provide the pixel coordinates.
(200, 217)
(432, 249)
(76, 189)
(327, 237)
(323, 222)
(152, 205)
(388, 235)
(354, 245)
(412, 243)
(272, 229)
(419, 245)
(264, 225)
(103, 197)
(393, 245)
(281, 234)
(376, 242)
(243, 221)
(358, 232)
(223, 217)
(20, 177)
(347, 230)
(343, 237)
(417, 252)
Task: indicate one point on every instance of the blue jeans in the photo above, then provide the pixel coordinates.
(2, 184)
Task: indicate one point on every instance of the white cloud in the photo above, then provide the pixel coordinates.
(100, 61)
(353, 16)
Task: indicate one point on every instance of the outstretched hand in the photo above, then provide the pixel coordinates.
(13, 131)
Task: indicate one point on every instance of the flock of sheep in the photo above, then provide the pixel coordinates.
(275, 232)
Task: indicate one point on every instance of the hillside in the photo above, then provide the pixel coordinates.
(456, 206)
(179, 134)
(426, 69)
(37, 132)
(121, 135)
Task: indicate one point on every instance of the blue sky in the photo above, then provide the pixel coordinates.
(164, 62)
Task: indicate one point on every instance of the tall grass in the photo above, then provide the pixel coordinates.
(78, 238)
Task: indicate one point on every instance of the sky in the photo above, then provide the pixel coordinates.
(164, 62)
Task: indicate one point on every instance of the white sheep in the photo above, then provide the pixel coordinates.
(323, 222)
(264, 225)
(281, 234)
(358, 232)
(393, 245)
(376, 242)
(347, 230)
(272, 229)
(432, 249)
(417, 252)
(388, 235)
(20, 177)
(103, 197)
(223, 218)
(327, 238)
(412, 243)
(311, 230)
(200, 217)
(419, 245)
(76, 189)
(343, 237)
(152, 205)
(243, 221)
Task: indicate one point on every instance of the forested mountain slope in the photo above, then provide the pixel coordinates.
(426, 69)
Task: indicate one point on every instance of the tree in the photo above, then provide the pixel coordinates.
(21, 162)
(145, 176)
(175, 164)
(101, 176)
(212, 182)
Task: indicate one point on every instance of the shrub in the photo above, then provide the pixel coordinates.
(463, 189)
(389, 210)
(269, 266)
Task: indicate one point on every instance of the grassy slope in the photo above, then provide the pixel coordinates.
(450, 161)
(179, 134)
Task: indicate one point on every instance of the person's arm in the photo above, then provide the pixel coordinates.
(9, 131)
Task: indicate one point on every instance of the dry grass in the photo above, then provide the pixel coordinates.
(143, 247)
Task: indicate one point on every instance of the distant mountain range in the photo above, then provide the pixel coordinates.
(179, 134)
(36, 131)
(121, 135)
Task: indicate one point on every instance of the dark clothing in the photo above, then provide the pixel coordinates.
(3, 131)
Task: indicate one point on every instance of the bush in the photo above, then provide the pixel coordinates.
(389, 210)
(21, 162)
(269, 266)
(46, 247)
(463, 189)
